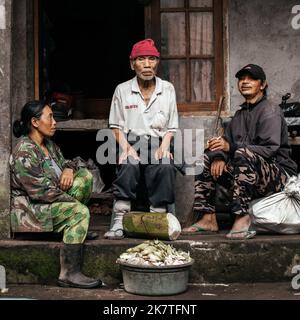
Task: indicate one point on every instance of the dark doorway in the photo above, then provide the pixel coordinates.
(84, 49)
(85, 45)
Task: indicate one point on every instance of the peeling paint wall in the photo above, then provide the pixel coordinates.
(262, 32)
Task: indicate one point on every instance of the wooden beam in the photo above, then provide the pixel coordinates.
(36, 51)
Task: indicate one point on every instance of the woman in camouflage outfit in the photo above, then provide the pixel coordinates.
(48, 193)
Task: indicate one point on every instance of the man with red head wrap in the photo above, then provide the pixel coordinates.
(143, 109)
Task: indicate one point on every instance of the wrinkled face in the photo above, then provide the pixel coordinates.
(145, 67)
(249, 87)
(46, 125)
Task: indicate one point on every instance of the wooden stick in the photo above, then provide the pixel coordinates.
(218, 114)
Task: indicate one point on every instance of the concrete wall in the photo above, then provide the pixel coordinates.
(22, 56)
(5, 105)
(261, 33)
(185, 184)
(16, 86)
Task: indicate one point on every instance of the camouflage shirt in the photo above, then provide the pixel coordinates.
(35, 185)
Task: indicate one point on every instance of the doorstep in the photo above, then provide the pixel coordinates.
(266, 258)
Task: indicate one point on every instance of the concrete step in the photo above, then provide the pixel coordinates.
(266, 258)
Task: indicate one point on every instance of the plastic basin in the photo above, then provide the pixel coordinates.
(155, 281)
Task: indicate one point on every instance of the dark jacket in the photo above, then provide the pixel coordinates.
(262, 129)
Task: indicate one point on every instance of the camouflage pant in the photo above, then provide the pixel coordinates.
(249, 176)
(73, 217)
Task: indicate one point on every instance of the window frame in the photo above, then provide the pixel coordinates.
(153, 30)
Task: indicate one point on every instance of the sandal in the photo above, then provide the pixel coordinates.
(199, 230)
(114, 234)
(245, 234)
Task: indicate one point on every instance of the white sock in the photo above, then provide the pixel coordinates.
(157, 209)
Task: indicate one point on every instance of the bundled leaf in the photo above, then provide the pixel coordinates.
(153, 225)
(154, 253)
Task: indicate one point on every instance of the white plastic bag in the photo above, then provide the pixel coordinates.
(98, 184)
(279, 212)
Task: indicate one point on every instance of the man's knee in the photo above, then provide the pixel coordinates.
(242, 155)
(130, 168)
(165, 169)
(205, 157)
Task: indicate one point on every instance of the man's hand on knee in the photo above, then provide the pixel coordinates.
(130, 152)
(163, 153)
(217, 168)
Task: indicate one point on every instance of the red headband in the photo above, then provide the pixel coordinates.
(144, 48)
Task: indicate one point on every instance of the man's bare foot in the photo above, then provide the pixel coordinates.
(241, 223)
(207, 222)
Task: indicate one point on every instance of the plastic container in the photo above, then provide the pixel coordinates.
(155, 281)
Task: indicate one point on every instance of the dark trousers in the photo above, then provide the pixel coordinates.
(159, 181)
(158, 176)
(249, 176)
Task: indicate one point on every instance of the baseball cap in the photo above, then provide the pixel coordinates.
(254, 70)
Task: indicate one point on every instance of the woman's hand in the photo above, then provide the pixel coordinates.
(217, 168)
(66, 179)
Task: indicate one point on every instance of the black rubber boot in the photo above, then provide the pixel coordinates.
(92, 235)
(70, 265)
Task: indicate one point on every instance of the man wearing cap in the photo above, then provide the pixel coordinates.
(143, 110)
(252, 158)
